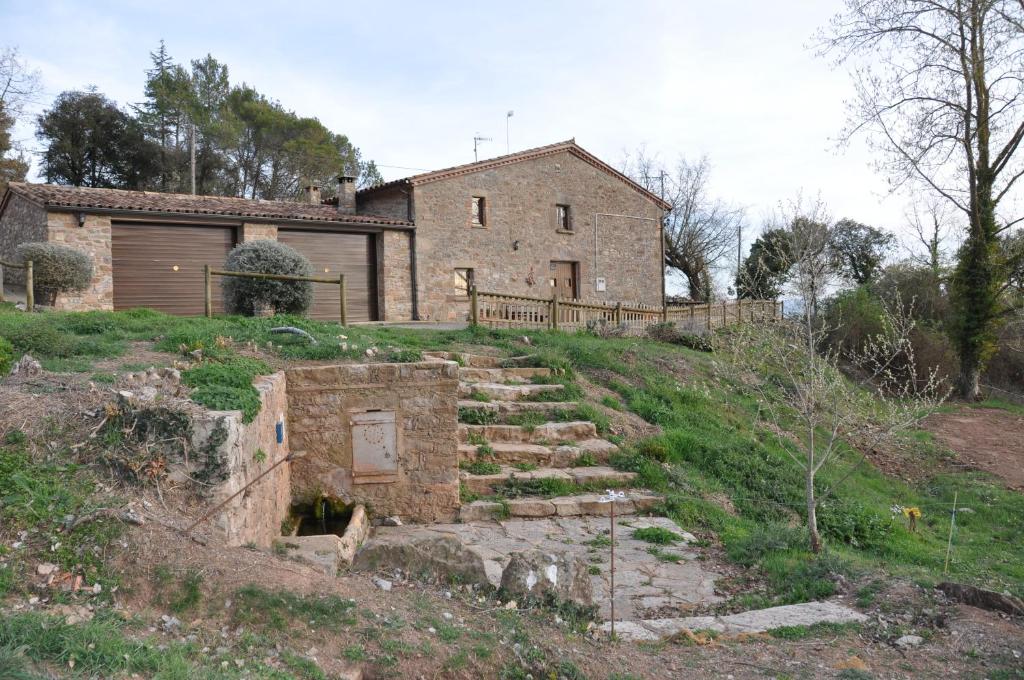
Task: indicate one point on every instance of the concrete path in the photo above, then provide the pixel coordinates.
(646, 585)
(755, 621)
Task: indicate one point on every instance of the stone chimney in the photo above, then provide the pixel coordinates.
(312, 195)
(347, 194)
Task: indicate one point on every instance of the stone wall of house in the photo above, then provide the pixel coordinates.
(615, 234)
(247, 451)
(392, 202)
(93, 237)
(22, 222)
(395, 272)
(258, 232)
(423, 396)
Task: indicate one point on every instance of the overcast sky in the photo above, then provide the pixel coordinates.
(411, 83)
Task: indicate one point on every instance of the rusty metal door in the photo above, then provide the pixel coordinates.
(374, 446)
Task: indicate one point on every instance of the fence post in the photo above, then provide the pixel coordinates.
(342, 289)
(782, 309)
(708, 306)
(207, 279)
(725, 319)
(664, 313)
(30, 288)
(474, 311)
(1, 283)
(553, 311)
(618, 313)
(739, 310)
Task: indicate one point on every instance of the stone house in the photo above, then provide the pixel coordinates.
(554, 220)
(550, 220)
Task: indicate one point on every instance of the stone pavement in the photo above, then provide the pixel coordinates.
(754, 621)
(646, 586)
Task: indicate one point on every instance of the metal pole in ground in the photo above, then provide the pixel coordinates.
(952, 523)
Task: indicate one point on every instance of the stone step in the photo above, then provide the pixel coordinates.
(745, 623)
(509, 407)
(477, 360)
(498, 375)
(506, 392)
(636, 502)
(507, 453)
(551, 433)
(486, 484)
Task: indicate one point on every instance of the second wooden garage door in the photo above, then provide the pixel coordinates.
(353, 255)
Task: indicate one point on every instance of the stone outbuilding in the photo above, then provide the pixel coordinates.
(554, 220)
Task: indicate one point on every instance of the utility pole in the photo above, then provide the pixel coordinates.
(192, 153)
(508, 119)
(739, 253)
(476, 140)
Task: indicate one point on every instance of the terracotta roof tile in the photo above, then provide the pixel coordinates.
(569, 145)
(56, 196)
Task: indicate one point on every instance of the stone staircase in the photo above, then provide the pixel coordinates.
(567, 454)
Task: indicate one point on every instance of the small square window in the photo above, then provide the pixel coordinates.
(463, 280)
(479, 215)
(563, 217)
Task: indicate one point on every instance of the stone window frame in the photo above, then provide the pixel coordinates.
(478, 217)
(469, 278)
(563, 219)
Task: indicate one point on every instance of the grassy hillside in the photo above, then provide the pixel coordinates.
(725, 476)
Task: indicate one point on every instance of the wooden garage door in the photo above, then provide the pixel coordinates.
(353, 255)
(161, 266)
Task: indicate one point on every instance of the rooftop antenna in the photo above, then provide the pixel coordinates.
(508, 119)
(476, 141)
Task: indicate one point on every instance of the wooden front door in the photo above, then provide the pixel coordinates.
(563, 279)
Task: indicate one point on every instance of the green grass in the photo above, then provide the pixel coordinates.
(710, 445)
(38, 494)
(227, 385)
(656, 535)
(33, 645)
(480, 467)
(283, 610)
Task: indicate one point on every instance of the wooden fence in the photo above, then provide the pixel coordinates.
(340, 282)
(520, 311)
(30, 295)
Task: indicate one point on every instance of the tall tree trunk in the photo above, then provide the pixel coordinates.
(975, 292)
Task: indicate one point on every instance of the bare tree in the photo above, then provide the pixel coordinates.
(940, 91)
(933, 232)
(806, 387)
(19, 83)
(700, 231)
(19, 86)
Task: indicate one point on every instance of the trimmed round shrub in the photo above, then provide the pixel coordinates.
(247, 296)
(56, 269)
(6, 357)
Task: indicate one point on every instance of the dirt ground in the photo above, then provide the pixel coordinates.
(985, 439)
(959, 641)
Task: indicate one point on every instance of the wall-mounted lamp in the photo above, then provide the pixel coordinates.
(515, 245)
(175, 268)
(81, 219)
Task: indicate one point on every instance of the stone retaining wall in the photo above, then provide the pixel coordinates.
(248, 450)
(322, 400)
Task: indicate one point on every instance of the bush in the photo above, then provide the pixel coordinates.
(853, 523)
(246, 296)
(56, 269)
(6, 357)
(39, 338)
